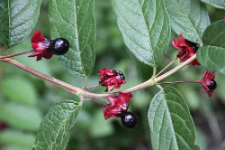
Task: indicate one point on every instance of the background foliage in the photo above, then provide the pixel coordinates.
(24, 100)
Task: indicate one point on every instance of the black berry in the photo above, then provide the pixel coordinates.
(129, 120)
(212, 85)
(195, 48)
(59, 46)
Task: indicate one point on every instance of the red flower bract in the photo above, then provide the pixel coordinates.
(187, 49)
(40, 45)
(117, 105)
(111, 78)
(208, 83)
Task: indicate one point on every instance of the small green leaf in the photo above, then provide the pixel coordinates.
(54, 129)
(170, 122)
(211, 57)
(214, 34)
(145, 27)
(215, 3)
(17, 17)
(19, 89)
(17, 138)
(74, 20)
(20, 116)
(188, 17)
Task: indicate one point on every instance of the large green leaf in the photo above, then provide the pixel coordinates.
(17, 138)
(170, 122)
(17, 17)
(53, 133)
(214, 34)
(74, 20)
(215, 3)
(211, 57)
(19, 89)
(20, 116)
(188, 17)
(145, 27)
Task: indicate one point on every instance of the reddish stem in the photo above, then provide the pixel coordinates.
(177, 82)
(97, 102)
(90, 87)
(167, 66)
(17, 54)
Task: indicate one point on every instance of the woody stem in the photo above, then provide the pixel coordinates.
(17, 54)
(80, 92)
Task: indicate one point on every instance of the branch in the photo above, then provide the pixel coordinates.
(79, 91)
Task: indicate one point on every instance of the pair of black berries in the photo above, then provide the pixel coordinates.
(58, 46)
(129, 120)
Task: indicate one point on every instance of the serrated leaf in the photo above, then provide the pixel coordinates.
(74, 20)
(211, 57)
(170, 122)
(53, 133)
(23, 93)
(17, 17)
(145, 27)
(214, 34)
(17, 138)
(188, 17)
(20, 116)
(215, 3)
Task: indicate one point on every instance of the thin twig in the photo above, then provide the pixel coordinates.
(17, 54)
(177, 82)
(91, 87)
(167, 66)
(95, 101)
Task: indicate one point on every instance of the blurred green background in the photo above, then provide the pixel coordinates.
(24, 99)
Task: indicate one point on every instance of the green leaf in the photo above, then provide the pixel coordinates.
(74, 20)
(145, 27)
(215, 3)
(18, 18)
(19, 89)
(170, 122)
(17, 138)
(54, 129)
(20, 116)
(214, 34)
(188, 17)
(211, 57)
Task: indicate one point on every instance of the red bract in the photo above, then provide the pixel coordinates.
(117, 105)
(208, 83)
(111, 78)
(187, 49)
(40, 45)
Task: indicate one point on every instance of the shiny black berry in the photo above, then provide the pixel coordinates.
(213, 85)
(195, 48)
(129, 120)
(60, 46)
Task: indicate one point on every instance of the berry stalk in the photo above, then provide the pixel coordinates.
(17, 54)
